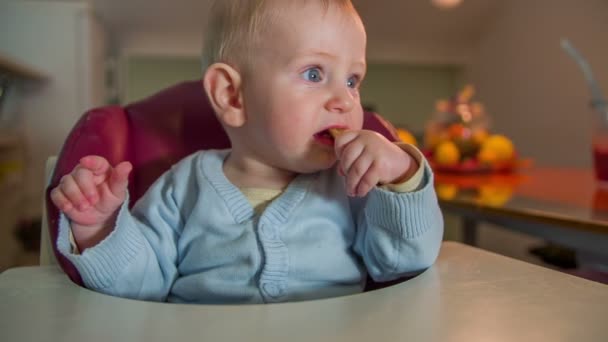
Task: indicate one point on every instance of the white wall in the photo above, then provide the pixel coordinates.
(62, 40)
(160, 43)
(167, 43)
(533, 90)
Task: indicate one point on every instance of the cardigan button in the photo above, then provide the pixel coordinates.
(273, 289)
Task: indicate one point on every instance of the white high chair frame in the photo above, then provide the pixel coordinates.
(469, 294)
(47, 257)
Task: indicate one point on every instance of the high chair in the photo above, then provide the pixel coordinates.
(152, 134)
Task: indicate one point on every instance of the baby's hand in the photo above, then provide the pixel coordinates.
(91, 194)
(367, 159)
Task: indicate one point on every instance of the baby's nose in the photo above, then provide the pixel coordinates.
(341, 101)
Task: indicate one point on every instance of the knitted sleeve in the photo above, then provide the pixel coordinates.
(398, 233)
(138, 259)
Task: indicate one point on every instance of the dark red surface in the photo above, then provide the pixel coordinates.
(600, 163)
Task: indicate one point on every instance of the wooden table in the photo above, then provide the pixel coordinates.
(468, 295)
(564, 205)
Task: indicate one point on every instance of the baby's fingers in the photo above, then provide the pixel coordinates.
(350, 155)
(358, 175)
(98, 165)
(119, 179)
(73, 193)
(342, 140)
(84, 178)
(369, 180)
(60, 200)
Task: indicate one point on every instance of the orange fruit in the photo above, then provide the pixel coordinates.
(456, 131)
(496, 148)
(480, 135)
(487, 156)
(446, 154)
(446, 191)
(494, 195)
(406, 136)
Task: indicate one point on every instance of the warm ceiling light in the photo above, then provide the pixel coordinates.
(446, 4)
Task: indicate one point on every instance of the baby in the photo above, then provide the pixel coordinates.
(304, 205)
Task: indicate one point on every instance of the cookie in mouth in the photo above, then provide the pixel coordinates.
(328, 136)
(336, 131)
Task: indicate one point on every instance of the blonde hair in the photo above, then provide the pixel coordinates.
(235, 27)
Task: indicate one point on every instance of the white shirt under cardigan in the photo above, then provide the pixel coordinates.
(194, 237)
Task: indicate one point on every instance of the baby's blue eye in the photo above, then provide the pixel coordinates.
(312, 75)
(353, 82)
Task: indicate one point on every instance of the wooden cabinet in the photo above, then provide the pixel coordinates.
(60, 48)
(11, 196)
(13, 74)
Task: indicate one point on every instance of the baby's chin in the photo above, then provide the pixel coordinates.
(307, 161)
(313, 166)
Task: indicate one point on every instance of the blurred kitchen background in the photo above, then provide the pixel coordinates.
(60, 58)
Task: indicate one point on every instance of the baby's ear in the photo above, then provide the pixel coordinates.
(222, 84)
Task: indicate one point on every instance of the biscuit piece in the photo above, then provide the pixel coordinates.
(335, 132)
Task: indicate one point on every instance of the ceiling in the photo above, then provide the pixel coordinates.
(404, 21)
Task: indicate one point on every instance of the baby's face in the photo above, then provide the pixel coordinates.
(305, 81)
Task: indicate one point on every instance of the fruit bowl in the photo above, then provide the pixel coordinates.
(472, 166)
(458, 139)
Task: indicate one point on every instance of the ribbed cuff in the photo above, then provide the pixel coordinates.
(100, 265)
(415, 181)
(407, 215)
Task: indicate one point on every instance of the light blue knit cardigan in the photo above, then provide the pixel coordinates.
(194, 237)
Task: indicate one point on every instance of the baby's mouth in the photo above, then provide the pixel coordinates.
(328, 136)
(324, 138)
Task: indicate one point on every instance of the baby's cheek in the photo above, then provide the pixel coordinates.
(356, 120)
(286, 134)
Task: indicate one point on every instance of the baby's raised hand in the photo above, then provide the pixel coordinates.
(367, 158)
(91, 194)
